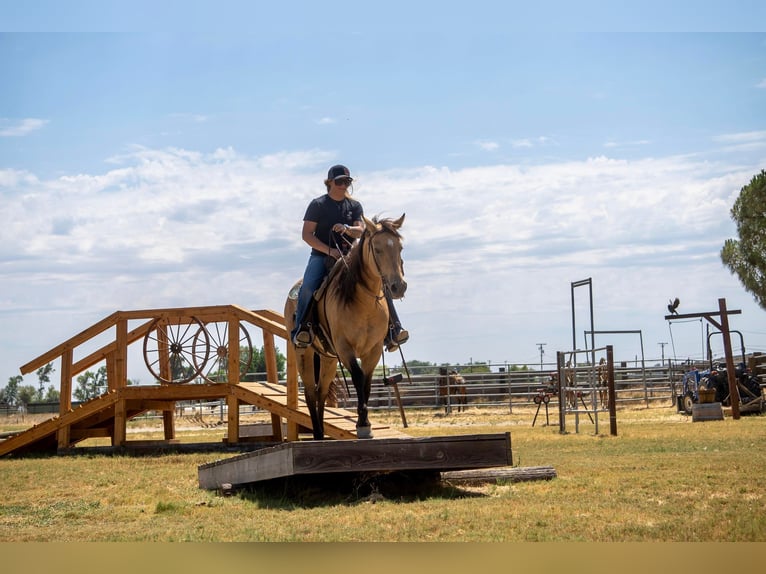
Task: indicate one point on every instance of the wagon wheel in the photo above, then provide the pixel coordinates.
(169, 350)
(217, 369)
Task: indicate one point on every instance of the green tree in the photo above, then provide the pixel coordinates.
(257, 367)
(90, 385)
(52, 395)
(10, 394)
(43, 377)
(746, 257)
(27, 394)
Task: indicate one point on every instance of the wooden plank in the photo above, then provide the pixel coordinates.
(383, 455)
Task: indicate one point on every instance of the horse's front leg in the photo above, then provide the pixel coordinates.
(362, 385)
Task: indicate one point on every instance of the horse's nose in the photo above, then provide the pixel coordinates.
(398, 288)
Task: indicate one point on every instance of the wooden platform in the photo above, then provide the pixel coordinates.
(379, 455)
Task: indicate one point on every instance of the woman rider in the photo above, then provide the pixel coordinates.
(331, 224)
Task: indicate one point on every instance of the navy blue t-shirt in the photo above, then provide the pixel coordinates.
(326, 212)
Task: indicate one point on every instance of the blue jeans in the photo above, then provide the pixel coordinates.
(312, 278)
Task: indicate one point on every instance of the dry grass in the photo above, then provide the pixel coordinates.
(663, 478)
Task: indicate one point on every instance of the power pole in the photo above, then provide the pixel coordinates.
(542, 352)
(663, 352)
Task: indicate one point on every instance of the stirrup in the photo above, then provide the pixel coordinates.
(304, 337)
(394, 340)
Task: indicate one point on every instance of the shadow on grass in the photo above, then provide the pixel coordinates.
(310, 491)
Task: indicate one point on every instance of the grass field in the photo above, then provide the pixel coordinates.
(662, 478)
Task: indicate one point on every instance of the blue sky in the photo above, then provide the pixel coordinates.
(163, 157)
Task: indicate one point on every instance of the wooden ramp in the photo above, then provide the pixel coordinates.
(164, 332)
(96, 418)
(339, 423)
(444, 453)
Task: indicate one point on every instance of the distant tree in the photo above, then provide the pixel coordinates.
(43, 377)
(474, 368)
(10, 394)
(90, 385)
(258, 362)
(27, 394)
(515, 368)
(422, 367)
(51, 395)
(746, 257)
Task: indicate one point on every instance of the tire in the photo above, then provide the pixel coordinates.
(688, 403)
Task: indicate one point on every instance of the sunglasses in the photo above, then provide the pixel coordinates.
(343, 181)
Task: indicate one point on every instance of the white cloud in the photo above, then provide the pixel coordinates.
(325, 121)
(193, 118)
(742, 137)
(488, 145)
(489, 251)
(615, 144)
(761, 84)
(18, 128)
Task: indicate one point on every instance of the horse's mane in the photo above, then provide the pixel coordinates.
(351, 273)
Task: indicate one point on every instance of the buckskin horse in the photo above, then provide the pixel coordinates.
(352, 319)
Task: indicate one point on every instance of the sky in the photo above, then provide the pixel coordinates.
(162, 155)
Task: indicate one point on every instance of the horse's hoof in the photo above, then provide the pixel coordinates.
(364, 432)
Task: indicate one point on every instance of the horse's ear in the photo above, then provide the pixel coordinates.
(371, 226)
(398, 223)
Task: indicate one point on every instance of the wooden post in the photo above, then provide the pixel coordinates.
(163, 352)
(120, 356)
(272, 376)
(232, 419)
(270, 355)
(65, 397)
(610, 390)
(120, 422)
(232, 402)
(733, 390)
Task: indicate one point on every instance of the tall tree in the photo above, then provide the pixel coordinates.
(10, 394)
(746, 257)
(90, 385)
(44, 377)
(27, 395)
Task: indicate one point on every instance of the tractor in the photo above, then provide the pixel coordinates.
(716, 380)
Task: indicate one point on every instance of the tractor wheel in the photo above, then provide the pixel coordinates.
(688, 403)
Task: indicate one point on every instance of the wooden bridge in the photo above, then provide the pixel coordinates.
(180, 345)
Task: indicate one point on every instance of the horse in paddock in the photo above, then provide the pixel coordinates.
(569, 381)
(457, 388)
(452, 385)
(603, 379)
(352, 320)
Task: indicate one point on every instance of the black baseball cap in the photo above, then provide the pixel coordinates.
(337, 171)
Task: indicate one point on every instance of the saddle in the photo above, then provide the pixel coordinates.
(322, 339)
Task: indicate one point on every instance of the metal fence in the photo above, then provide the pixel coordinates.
(509, 389)
(500, 388)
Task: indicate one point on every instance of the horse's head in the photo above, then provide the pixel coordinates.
(386, 251)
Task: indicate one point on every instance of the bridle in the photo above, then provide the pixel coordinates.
(370, 248)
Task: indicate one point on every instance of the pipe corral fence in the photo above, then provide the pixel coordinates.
(503, 386)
